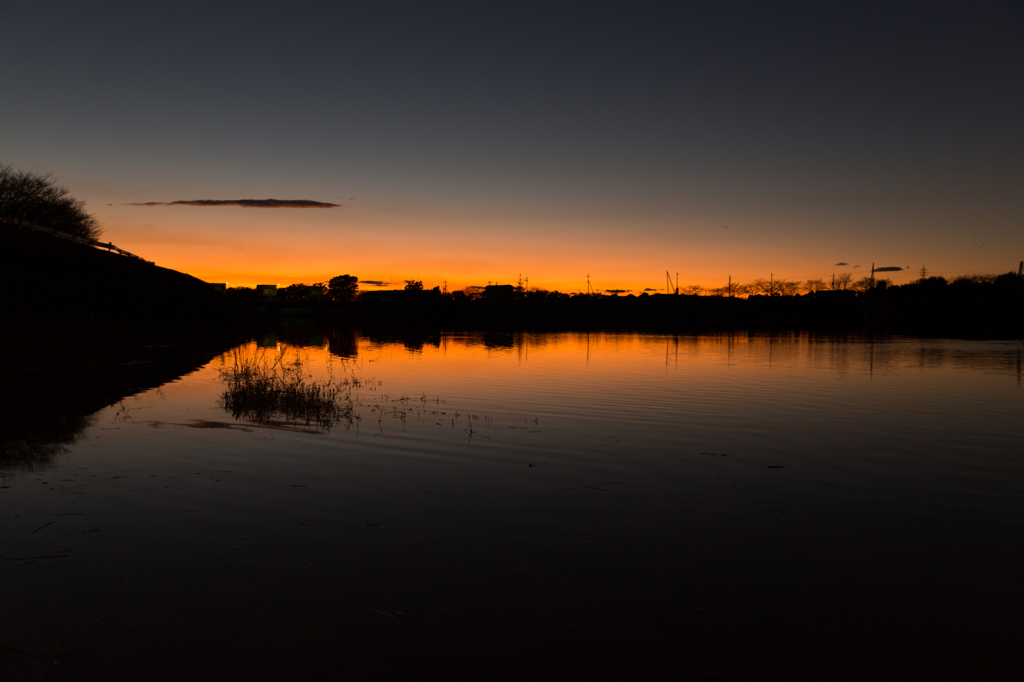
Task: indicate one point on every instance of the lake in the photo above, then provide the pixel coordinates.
(572, 505)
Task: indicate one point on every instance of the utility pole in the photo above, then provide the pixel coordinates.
(924, 272)
(669, 287)
(730, 286)
(872, 274)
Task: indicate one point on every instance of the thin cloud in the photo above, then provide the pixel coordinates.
(650, 289)
(617, 291)
(373, 282)
(889, 268)
(838, 264)
(245, 203)
(856, 266)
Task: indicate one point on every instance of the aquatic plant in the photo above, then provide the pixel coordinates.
(271, 388)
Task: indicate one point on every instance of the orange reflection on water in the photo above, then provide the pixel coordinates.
(561, 372)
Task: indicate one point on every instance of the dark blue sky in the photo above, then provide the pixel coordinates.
(816, 133)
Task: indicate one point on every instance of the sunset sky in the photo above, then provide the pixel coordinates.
(477, 142)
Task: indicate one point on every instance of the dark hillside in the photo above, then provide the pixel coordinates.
(50, 387)
(53, 280)
(83, 328)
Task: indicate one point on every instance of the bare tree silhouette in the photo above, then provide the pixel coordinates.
(842, 281)
(813, 286)
(788, 287)
(773, 287)
(733, 289)
(36, 199)
(863, 284)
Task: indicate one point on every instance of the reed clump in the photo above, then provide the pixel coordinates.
(277, 387)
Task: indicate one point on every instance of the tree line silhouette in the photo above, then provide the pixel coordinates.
(345, 288)
(970, 304)
(966, 306)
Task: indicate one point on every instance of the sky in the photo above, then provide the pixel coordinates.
(469, 143)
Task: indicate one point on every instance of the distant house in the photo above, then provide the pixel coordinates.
(499, 292)
(267, 290)
(388, 296)
(407, 296)
(219, 286)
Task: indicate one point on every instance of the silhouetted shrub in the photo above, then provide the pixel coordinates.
(343, 288)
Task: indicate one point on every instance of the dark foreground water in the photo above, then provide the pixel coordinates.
(565, 506)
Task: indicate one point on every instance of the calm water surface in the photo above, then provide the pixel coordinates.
(552, 506)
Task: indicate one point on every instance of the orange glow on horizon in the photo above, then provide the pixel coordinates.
(247, 247)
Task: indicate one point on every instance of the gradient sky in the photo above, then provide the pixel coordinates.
(474, 142)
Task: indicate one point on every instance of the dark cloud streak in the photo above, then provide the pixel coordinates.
(889, 268)
(245, 203)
